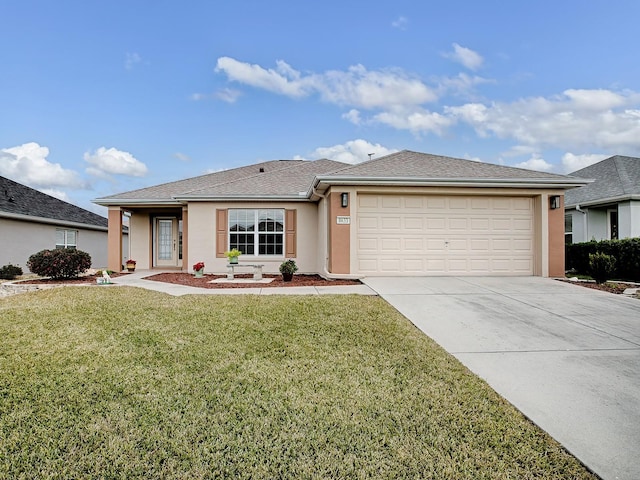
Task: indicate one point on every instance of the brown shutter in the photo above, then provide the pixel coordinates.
(290, 242)
(221, 232)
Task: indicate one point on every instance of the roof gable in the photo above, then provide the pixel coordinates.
(19, 200)
(616, 177)
(406, 164)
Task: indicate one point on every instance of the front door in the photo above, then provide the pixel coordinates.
(166, 244)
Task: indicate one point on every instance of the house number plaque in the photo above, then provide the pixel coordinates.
(343, 220)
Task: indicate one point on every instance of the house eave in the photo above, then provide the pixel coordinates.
(136, 202)
(603, 201)
(323, 182)
(51, 221)
(303, 197)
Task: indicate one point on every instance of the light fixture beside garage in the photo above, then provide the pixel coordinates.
(344, 199)
(554, 202)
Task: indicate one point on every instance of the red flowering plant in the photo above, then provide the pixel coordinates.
(198, 266)
(131, 261)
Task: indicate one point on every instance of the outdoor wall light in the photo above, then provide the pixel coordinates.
(344, 199)
(554, 202)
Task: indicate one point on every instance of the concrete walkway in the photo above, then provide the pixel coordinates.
(566, 356)
(136, 279)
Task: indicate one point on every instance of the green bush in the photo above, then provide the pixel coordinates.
(626, 252)
(601, 266)
(9, 272)
(59, 263)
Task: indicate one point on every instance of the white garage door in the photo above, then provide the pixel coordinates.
(444, 235)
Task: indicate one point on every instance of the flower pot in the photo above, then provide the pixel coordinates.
(287, 277)
(199, 273)
(233, 260)
(131, 267)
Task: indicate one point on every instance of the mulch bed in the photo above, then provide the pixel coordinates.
(611, 287)
(298, 281)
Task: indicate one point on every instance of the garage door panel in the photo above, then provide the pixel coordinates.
(439, 235)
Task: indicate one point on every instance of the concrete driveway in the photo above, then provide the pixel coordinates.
(566, 356)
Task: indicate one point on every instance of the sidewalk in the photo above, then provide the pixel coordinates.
(136, 279)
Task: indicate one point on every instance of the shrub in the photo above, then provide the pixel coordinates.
(626, 252)
(59, 263)
(601, 266)
(9, 272)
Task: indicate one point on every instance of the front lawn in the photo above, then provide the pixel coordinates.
(126, 383)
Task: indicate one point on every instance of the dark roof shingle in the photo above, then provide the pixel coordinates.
(615, 177)
(18, 199)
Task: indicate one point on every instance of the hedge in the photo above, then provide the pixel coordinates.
(626, 252)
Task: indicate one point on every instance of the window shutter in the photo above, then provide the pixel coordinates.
(290, 242)
(221, 232)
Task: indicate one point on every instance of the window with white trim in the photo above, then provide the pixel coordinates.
(66, 238)
(568, 228)
(257, 232)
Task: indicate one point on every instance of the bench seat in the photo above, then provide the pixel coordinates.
(257, 269)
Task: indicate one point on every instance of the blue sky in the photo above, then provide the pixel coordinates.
(103, 97)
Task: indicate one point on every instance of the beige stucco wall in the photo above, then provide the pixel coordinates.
(202, 237)
(19, 240)
(140, 239)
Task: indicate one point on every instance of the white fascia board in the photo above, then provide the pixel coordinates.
(324, 181)
(245, 198)
(603, 201)
(51, 221)
(107, 202)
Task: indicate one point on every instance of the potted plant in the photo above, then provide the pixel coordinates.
(131, 265)
(287, 269)
(198, 269)
(233, 255)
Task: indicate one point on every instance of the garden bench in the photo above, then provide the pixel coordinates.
(257, 270)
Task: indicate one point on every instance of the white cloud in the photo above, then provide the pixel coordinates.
(131, 60)
(182, 157)
(228, 95)
(536, 163)
(28, 164)
(353, 151)
(400, 23)
(356, 87)
(465, 56)
(353, 116)
(576, 119)
(571, 162)
(105, 162)
(416, 120)
(462, 84)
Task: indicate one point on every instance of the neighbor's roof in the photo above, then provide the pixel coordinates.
(24, 203)
(616, 178)
(297, 179)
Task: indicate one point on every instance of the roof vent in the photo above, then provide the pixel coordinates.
(261, 170)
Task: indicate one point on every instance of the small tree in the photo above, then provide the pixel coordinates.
(59, 263)
(601, 266)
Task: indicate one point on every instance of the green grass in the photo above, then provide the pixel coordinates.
(125, 383)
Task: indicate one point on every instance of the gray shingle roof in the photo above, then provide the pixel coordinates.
(615, 177)
(168, 191)
(423, 165)
(18, 199)
(288, 178)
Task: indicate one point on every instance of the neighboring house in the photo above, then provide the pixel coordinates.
(31, 221)
(407, 213)
(608, 208)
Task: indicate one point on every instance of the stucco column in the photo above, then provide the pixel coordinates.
(186, 264)
(114, 239)
(556, 238)
(339, 235)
